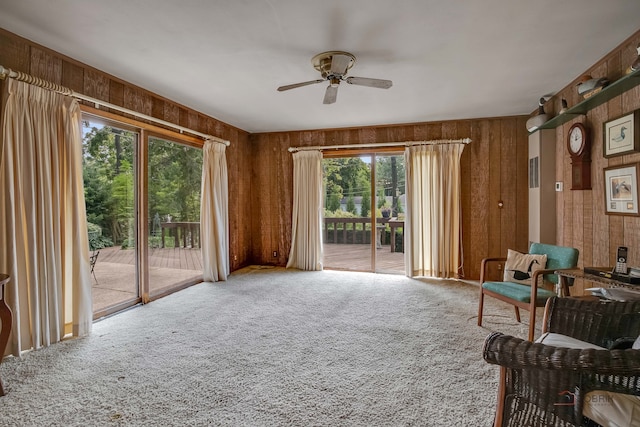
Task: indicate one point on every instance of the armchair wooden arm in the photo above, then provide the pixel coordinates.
(485, 262)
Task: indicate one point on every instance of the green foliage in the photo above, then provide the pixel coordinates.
(108, 179)
(339, 214)
(174, 181)
(345, 177)
(381, 198)
(96, 239)
(366, 203)
(351, 205)
(175, 174)
(333, 202)
(399, 206)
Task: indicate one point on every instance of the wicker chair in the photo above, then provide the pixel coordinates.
(543, 385)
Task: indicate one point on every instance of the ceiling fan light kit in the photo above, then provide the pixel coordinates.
(333, 67)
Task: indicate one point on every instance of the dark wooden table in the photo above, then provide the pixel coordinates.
(5, 319)
(578, 273)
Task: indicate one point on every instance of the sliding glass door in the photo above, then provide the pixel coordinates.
(174, 180)
(347, 233)
(390, 205)
(142, 195)
(364, 232)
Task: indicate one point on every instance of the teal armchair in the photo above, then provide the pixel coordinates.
(525, 296)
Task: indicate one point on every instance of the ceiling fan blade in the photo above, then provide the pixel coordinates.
(340, 63)
(295, 85)
(330, 95)
(364, 81)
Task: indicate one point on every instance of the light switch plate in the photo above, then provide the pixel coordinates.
(559, 186)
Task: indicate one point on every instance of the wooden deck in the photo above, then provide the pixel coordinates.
(115, 270)
(358, 258)
(115, 273)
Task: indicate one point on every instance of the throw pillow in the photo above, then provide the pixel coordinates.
(520, 267)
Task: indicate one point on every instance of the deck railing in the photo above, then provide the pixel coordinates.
(358, 231)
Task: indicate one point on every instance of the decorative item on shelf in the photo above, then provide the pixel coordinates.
(539, 119)
(589, 86)
(579, 147)
(636, 64)
(564, 106)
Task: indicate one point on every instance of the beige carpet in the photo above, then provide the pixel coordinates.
(272, 347)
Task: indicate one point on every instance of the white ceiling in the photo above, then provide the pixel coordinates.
(225, 58)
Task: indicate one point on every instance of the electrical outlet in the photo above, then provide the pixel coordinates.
(499, 267)
(275, 254)
(235, 257)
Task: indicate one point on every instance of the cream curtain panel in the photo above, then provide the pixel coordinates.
(214, 213)
(43, 228)
(432, 244)
(306, 232)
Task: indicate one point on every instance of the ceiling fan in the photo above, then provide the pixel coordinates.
(333, 67)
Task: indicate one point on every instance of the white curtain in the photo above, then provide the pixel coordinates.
(433, 214)
(214, 213)
(43, 228)
(306, 230)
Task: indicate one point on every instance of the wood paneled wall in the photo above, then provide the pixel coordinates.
(581, 218)
(494, 168)
(20, 54)
(494, 165)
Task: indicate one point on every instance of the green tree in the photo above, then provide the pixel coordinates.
(390, 174)
(175, 174)
(107, 160)
(366, 204)
(351, 205)
(344, 177)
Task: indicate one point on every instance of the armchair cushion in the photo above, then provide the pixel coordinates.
(520, 267)
(518, 292)
(611, 409)
(604, 407)
(560, 340)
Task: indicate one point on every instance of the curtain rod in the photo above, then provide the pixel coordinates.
(384, 144)
(23, 77)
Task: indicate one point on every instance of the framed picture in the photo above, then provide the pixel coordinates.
(622, 135)
(621, 190)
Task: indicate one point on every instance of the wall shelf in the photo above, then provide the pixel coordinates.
(616, 88)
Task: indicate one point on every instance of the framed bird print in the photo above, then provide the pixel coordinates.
(621, 190)
(622, 135)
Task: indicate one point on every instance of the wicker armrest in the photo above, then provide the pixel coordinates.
(598, 322)
(516, 353)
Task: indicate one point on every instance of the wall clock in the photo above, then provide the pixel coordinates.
(579, 147)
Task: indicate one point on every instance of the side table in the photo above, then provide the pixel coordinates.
(5, 320)
(580, 274)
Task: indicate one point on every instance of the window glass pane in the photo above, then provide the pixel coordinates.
(109, 186)
(347, 236)
(390, 209)
(175, 174)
